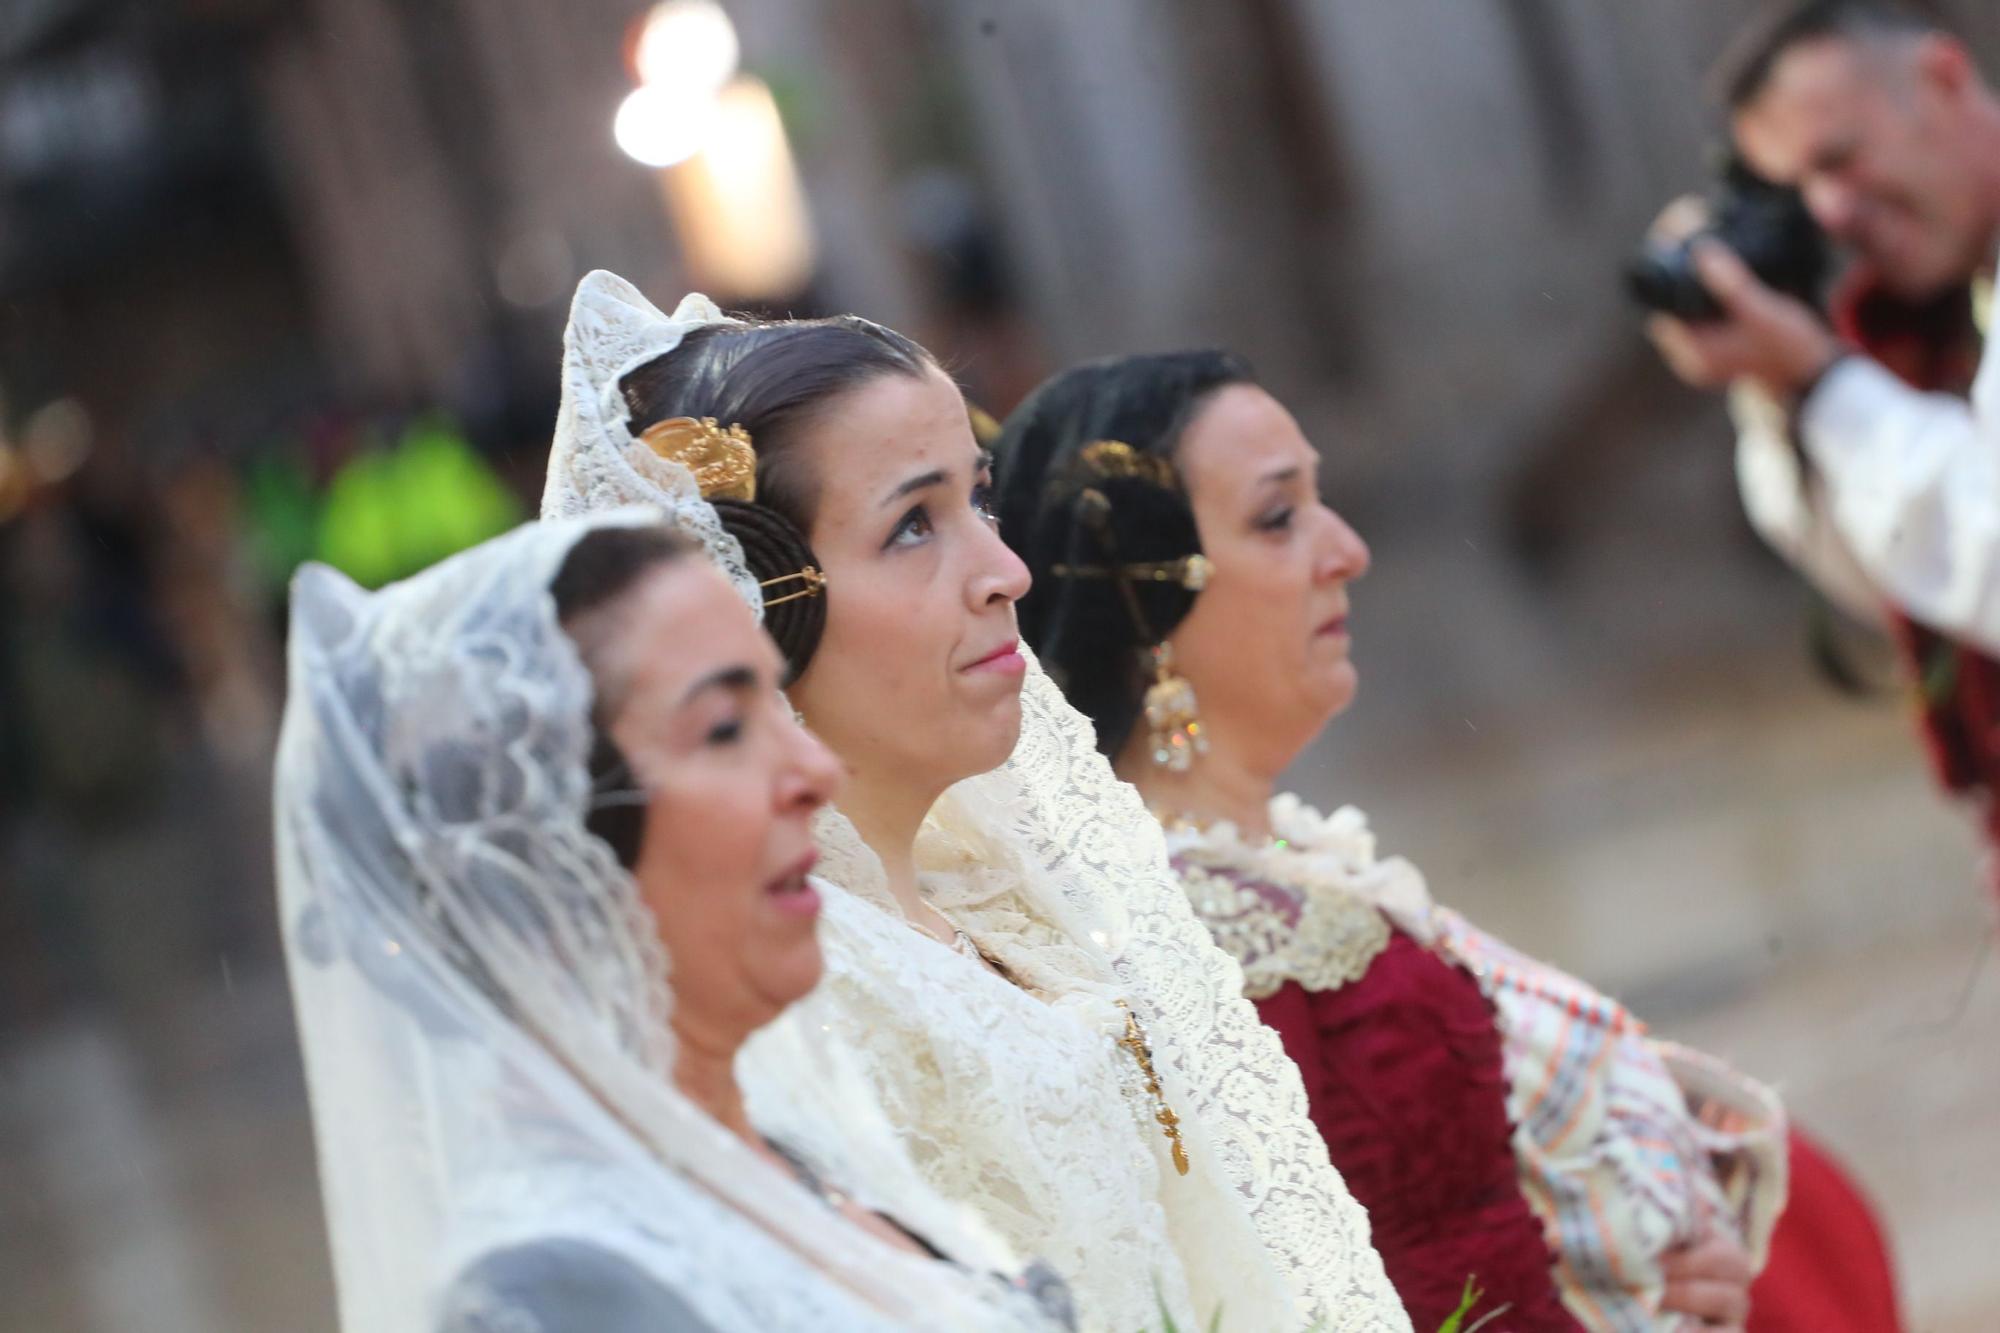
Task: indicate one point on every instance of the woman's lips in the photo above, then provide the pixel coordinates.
(1005, 660)
(1335, 627)
(792, 893)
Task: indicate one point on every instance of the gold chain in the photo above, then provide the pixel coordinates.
(1134, 1041)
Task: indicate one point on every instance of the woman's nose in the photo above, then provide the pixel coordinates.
(813, 773)
(1000, 576)
(1344, 556)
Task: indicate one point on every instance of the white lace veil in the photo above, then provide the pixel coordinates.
(1093, 864)
(482, 996)
(594, 463)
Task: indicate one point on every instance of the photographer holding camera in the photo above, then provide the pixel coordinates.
(1869, 453)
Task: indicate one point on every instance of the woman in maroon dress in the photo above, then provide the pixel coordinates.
(1502, 1122)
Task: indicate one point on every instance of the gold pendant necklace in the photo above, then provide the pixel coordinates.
(1135, 1042)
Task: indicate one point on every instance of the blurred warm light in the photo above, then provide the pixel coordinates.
(662, 126)
(56, 440)
(738, 204)
(733, 189)
(688, 45)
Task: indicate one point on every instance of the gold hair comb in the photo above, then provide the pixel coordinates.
(1189, 571)
(723, 463)
(1115, 458)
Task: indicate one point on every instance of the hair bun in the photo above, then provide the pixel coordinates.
(774, 548)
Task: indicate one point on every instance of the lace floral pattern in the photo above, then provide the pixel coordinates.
(1281, 932)
(594, 463)
(1093, 840)
(989, 857)
(1012, 1105)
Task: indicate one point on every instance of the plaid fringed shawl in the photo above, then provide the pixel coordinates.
(1628, 1147)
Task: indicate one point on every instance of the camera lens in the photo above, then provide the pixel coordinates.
(1661, 278)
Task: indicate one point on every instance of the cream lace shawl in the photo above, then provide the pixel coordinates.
(1057, 870)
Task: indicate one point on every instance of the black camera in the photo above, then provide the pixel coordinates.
(1767, 225)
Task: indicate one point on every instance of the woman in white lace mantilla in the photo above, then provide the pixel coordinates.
(1191, 594)
(508, 791)
(1051, 1031)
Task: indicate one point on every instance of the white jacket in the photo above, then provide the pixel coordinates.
(1906, 510)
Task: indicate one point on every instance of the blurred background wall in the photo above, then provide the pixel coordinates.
(285, 279)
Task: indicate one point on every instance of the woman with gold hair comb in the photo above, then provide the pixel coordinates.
(1192, 596)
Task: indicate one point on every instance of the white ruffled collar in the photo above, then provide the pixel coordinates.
(1316, 852)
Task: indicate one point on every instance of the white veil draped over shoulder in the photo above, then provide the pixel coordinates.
(1086, 903)
(483, 998)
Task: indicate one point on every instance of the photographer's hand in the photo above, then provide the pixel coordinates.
(1762, 336)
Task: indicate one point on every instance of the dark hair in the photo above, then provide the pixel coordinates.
(1057, 509)
(774, 380)
(1744, 71)
(603, 566)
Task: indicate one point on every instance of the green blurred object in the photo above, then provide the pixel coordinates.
(283, 516)
(392, 512)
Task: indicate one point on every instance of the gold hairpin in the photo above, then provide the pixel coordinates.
(1115, 458)
(723, 463)
(1189, 571)
(814, 580)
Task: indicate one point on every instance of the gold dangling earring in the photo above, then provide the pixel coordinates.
(1172, 719)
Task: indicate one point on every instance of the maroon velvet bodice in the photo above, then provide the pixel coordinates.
(1405, 1078)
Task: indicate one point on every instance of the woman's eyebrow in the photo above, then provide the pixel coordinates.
(736, 679)
(923, 481)
(982, 462)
